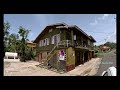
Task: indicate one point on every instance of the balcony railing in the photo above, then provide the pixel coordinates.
(82, 45)
(66, 43)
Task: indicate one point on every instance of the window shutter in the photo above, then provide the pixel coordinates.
(39, 43)
(44, 41)
(58, 38)
(52, 39)
(47, 41)
(74, 37)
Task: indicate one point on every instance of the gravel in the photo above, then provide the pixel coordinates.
(108, 60)
(31, 68)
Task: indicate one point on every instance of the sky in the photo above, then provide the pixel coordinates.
(101, 26)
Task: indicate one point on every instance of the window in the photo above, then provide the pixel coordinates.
(58, 38)
(47, 41)
(55, 39)
(52, 40)
(88, 42)
(74, 37)
(50, 30)
(44, 42)
(40, 43)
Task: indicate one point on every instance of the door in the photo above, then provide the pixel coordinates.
(77, 62)
(86, 56)
(40, 57)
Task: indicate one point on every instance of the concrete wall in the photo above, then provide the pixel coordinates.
(70, 60)
(11, 57)
(11, 60)
(70, 56)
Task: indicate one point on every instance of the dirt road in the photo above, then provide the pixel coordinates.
(108, 60)
(31, 68)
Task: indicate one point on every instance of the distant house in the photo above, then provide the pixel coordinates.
(64, 47)
(105, 48)
(31, 44)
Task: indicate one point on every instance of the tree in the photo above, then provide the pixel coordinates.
(24, 34)
(6, 28)
(6, 34)
(18, 45)
(110, 44)
(12, 42)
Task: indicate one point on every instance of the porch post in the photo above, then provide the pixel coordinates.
(91, 54)
(88, 56)
(81, 41)
(38, 57)
(72, 37)
(67, 43)
(83, 58)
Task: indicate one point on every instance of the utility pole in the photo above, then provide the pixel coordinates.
(105, 40)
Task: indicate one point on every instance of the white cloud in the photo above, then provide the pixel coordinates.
(41, 18)
(104, 16)
(94, 23)
(115, 32)
(30, 35)
(112, 37)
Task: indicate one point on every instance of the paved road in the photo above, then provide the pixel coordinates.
(108, 60)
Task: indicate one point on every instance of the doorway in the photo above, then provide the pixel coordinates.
(86, 56)
(40, 57)
(78, 60)
(92, 54)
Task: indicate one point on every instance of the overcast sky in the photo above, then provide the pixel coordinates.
(101, 26)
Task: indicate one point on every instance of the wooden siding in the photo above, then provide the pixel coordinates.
(48, 35)
(70, 56)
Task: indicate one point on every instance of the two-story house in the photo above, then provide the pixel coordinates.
(64, 47)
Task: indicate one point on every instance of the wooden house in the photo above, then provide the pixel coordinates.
(31, 44)
(105, 48)
(64, 47)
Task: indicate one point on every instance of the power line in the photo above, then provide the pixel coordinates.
(105, 38)
(100, 32)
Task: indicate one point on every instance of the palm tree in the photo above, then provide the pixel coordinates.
(24, 34)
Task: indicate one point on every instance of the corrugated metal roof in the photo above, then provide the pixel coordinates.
(64, 25)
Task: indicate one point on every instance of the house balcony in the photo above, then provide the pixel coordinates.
(64, 43)
(79, 45)
(68, 43)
